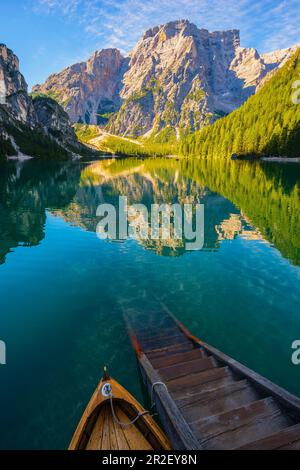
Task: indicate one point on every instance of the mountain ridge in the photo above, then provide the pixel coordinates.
(267, 124)
(31, 127)
(178, 76)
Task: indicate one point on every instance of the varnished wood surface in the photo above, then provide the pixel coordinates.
(97, 430)
(210, 400)
(108, 435)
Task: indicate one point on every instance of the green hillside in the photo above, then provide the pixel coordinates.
(118, 145)
(267, 124)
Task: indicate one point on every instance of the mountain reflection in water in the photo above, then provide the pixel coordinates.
(62, 289)
(252, 200)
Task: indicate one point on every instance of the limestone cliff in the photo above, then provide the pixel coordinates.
(178, 77)
(34, 127)
(14, 89)
(89, 91)
(55, 121)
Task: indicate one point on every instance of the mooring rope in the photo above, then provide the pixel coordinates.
(140, 414)
(152, 392)
(120, 423)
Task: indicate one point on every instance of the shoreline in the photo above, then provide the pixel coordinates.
(281, 159)
(20, 158)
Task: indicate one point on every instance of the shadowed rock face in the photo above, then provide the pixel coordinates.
(55, 121)
(14, 88)
(19, 112)
(177, 76)
(89, 91)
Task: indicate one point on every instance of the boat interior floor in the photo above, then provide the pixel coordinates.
(109, 435)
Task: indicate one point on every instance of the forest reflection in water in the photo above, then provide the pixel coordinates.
(59, 282)
(246, 199)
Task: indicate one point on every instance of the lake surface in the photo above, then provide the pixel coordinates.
(62, 288)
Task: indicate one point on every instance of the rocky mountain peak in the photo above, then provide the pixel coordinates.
(14, 88)
(178, 76)
(40, 124)
(89, 91)
(104, 58)
(8, 56)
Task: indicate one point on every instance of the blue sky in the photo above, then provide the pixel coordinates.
(48, 35)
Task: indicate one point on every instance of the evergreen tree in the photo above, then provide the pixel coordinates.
(267, 124)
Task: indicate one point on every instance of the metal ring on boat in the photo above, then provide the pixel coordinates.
(106, 390)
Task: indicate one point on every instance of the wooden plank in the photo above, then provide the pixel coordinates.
(155, 319)
(283, 396)
(85, 427)
(187, 368)
(112, 432)
(292, 446)
(105, 445)
(169, 350)
(197, 382)
(120, 436)
(189, 392)
(178, 431)
(285, 438)
(212, 402)
(149, 334)
(219, 403)
(157, 344)
(240, 426)
(169, 360)
(268, 387)
(95, 440)
(134, 438)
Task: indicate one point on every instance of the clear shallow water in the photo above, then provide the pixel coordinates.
(62, 288)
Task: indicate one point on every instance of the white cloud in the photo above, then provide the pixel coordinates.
(67, 7)
(267, 25)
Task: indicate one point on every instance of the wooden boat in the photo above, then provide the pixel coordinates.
(206, 400)
(106, 422)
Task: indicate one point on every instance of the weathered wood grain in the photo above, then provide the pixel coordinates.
(178, 431)
(210, 400)
(281, 440)
(216, 401)
(173, 359)
(184, 369)
(240, 426)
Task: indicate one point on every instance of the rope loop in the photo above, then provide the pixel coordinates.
(120, 423)
(109, 392)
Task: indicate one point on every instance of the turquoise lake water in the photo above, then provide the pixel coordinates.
(61, 288)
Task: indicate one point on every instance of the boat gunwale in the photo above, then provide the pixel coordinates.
(128, 402)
